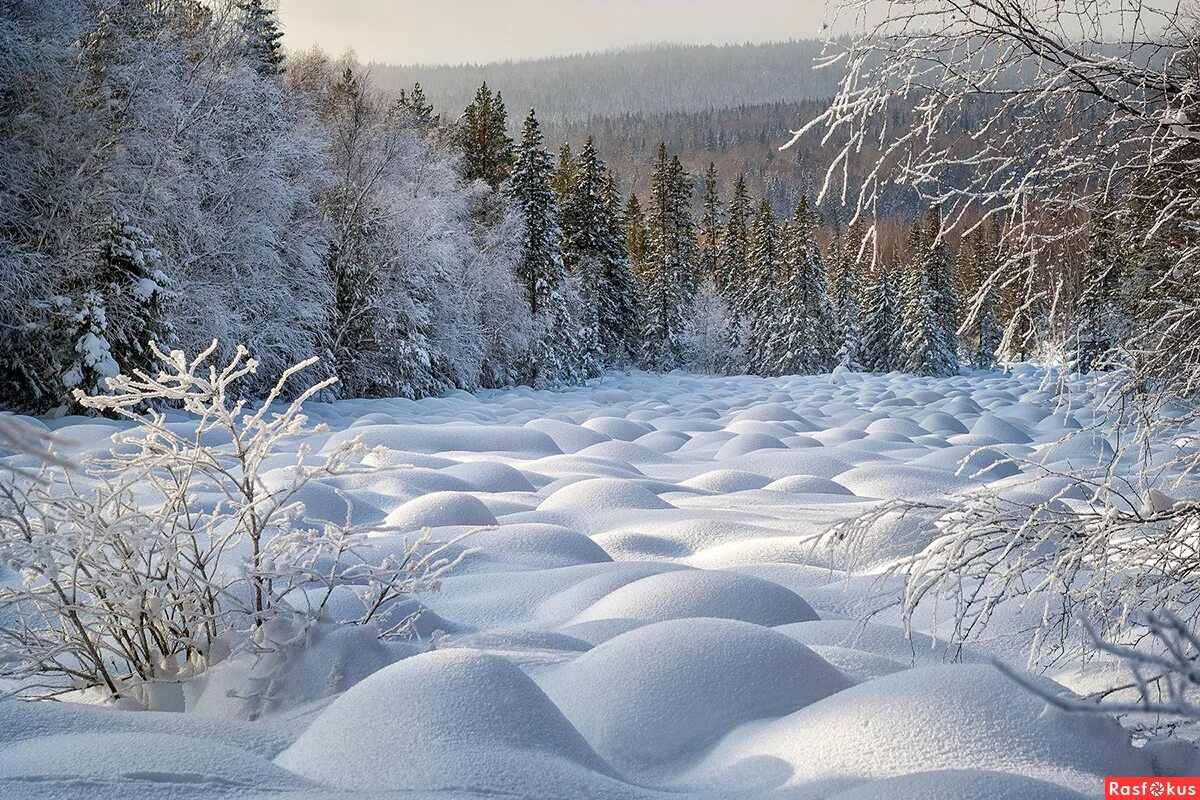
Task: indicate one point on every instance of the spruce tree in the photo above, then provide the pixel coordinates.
(262, 35)
(930, 319)
(416, 108)
(763, 312)
(483, 138)
(119, 311)
(637, 239)
(807, 321)
(708, 264)
(1100, 327)
(559, 352)
(844, 266)
(732, 276)
(594, 250)
(670, 263)
(882, 350)
(566, 174)
(978, 261)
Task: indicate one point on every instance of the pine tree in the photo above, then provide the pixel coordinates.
(637, 239)
(670, 263)
(566, 175)
(560, 350)
(262, 36)
(594, 250)
(809, 341)
(732, 262)
(416, 108)
(483, 138)
(1101, 322)
(930, 318)
(708, 263)
(882, 347)
(763, 312)
(978, 261)
(119, 312)
(844, 266)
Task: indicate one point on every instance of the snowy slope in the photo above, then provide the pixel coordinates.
(646, 614)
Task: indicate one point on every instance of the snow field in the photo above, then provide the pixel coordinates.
(643, 613)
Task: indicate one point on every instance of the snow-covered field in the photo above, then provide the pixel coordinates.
(646, 614)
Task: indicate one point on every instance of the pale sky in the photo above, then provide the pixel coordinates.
(457, 31)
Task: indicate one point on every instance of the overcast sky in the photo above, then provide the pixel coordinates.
(458, 31)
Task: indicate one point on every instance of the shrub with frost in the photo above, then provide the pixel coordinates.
(188, 539)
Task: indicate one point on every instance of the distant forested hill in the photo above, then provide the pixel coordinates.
(653, 79)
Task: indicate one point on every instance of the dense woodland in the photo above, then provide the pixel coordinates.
(169, 174)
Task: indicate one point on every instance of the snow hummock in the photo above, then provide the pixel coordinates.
(647, 607)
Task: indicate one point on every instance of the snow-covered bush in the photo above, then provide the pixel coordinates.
(187, 539)
(709, 336)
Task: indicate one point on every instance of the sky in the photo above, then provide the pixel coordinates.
(462, 31)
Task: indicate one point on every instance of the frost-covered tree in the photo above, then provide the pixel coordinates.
(1103, 324)
(844, 265)
(671, 259)
(710, 228)
(982, 333)
(883, 349)
(809, 334)
(557, 352)
(707, 345)
(927, 325)
(766, 315)
(733, 274)
(594, 250)
(262, 36)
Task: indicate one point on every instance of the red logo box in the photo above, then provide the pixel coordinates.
(1152, 787)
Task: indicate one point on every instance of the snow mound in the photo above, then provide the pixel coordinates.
(602, 494)
(727, 480)
(490, 476)
(768, 412)
(660, 693)
(960, 716)
(747, 443)
(807, 484)
(448, 720)
(536, 545)
(991, 425)
(894, 481)
(571, 438)
(520, 442)
(618, 428)
(702, 593)
(440, 509)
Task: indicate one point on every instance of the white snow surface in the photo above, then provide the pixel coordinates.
(644, 614)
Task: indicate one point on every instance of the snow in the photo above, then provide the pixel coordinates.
(643, 611)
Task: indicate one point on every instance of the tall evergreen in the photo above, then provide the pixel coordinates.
(930, 319)
(671, 260)
(732, 276)
(416, 107)
(762, 308)
(844, 267)
(1101, 322)
(262, 34)
(806, 318)
(978, 261)
(119, 311)
(593, 250)
(637, 239)
(566, 174)
(708, 263)
(882, 347)
(559, 352)
(483, 138)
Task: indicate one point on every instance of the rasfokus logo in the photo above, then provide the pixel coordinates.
(1152, 787)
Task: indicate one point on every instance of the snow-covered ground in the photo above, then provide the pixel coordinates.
(646, 614)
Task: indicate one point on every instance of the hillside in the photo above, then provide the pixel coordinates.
(660, 78)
